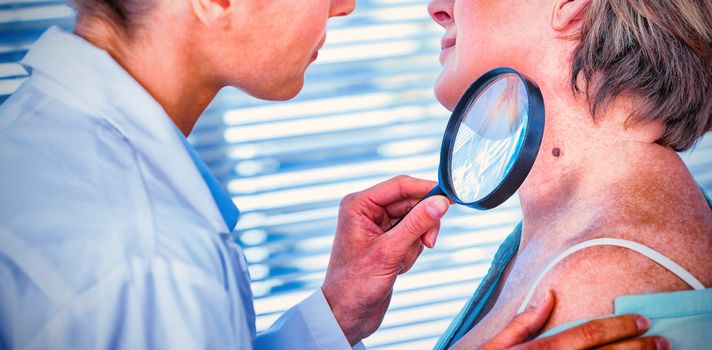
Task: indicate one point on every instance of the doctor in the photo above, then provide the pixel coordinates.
(113, 232)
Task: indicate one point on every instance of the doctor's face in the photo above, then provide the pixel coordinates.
(481, 35)
(272, 43)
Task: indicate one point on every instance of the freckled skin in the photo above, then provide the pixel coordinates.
(614, 180)
(652, 201)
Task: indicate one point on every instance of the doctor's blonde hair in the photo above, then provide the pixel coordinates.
(659, 51)
(124, 15)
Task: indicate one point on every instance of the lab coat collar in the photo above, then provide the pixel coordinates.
(95, 83)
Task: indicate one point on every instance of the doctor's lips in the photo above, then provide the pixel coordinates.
(315, 54)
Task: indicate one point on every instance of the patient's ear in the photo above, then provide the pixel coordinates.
(568, 14)
(212, 12)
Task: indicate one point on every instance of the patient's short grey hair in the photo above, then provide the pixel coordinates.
(659, 51)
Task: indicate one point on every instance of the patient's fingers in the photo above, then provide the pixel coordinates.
(594, 333)
(647, 343)
(524, 326)
(590, 335)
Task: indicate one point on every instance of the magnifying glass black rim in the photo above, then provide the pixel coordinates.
(526, 156)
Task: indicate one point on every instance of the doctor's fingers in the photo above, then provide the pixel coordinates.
(421, 220)
(399, 209)
(397, 189)
(411, 257)
(426, 240)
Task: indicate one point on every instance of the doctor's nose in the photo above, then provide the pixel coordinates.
(442, 12)
(341, 7)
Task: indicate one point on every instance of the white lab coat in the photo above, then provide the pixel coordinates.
(109, 236)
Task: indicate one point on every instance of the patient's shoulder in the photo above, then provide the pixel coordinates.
(587, 282)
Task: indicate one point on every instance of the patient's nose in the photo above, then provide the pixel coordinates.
(441, 11)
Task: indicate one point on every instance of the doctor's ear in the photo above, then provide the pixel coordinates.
(211, 12)
(568, 14)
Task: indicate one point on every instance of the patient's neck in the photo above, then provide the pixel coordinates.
(589, 175)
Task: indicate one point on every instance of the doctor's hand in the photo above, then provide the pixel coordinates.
(368, 254)
(613, 333)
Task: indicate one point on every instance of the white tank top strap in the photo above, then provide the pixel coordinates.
(651, 254)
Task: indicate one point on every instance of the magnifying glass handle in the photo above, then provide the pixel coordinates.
(434, 192)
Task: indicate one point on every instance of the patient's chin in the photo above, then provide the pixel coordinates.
(444, 94)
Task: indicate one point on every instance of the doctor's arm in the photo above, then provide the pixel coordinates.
(367, 256)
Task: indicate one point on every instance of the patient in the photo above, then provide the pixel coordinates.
(626, 84)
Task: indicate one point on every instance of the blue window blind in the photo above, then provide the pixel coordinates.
(367, 113)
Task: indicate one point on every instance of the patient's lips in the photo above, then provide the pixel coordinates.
(446, 44)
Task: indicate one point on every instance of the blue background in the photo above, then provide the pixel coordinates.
(367, 113)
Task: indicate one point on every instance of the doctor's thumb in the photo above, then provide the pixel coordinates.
(420, 220)
(436, 206)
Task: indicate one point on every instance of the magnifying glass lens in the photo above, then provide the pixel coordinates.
(489, 138)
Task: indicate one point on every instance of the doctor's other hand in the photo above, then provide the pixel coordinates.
(614, 333)
(368, 253)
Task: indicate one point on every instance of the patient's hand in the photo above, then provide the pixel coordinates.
(609, 334)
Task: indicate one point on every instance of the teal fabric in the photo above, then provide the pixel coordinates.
(685, 317)
(472, 312)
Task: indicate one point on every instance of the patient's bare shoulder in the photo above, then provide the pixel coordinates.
(587, 282)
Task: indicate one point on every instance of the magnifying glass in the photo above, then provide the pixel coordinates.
(491, 140)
